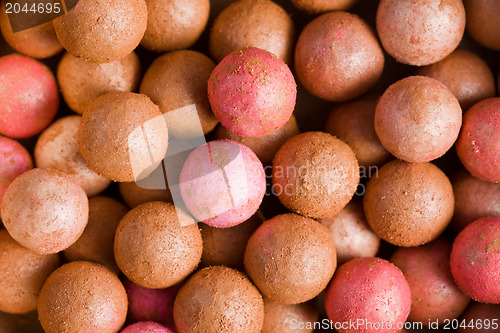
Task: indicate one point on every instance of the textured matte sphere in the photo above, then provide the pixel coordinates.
(315, 174)
(123, 136)
(153, 249)
(369, 289)
(288, 318)
(45, 210)
(338, 57)
(218, 299)
(483, 22)
(409, 204)
(174, 24)
(57, 148)
(435, 296)
(253, 23)
(102, 31)
(478, 145)
(22, 273)
(418, 119)
(291, 258)
(81, 82)
(420, 32)
(82, 297)
(475, 260)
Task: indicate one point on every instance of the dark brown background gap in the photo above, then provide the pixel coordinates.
(29, 19)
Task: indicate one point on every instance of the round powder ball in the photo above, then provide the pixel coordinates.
(146, 304)
(475, 260)
(264, 146)
(37, 42)
(82, 297)
(291, 258)
(29, 96)
(338, 57)
(252, 92)
(226, 246)
(474, 198)
(146, 327)
(134, 195)
(253, 23)
(14, 160)
(178, 80)
(435, 296)
(219, 299)
(315, 174)
(289, 318)
(102, 31)
(420, 33)
(22, 273)
(222, 183)
(123, 136)
(409, 204)
(352, 236)
(153, 249)
(82, 82)
(480, 316)
(174, 24)
(45, 210)
(96, 242)
(57, 148)
(418, 119)
(465, 74)
(371, 290)
(353, 123)
(322, 6)
(478, 145)
(483, 22)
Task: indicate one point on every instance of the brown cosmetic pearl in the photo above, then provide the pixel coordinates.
(466, 75)
(408, 204)
(218, 299)
(96, 242)
(253, 23)
(82, 297)
(134, 195)
(474, 198)
(22, 273)
(226, 246)
(102, 31)
(264, 146)
(291, 258)
(45, 210)
(123, 136)
(57, 148)
(435, 295)
(418, 119)
(288, 318)
(174, 24)
(153, 249)
(37, 42)
(322, 6)
(315, 174)
(338, 57)
(177, 80)
(420, 32)
(350, 231)
(81, 82)
(353, 123)
(483, 22)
